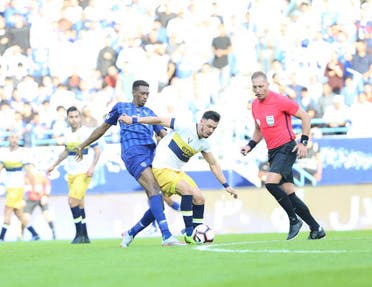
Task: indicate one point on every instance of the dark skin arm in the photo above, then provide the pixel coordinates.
(95, 135)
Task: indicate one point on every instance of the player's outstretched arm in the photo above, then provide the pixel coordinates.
(166, 122)
(61, 157)
(95, 135)
(217, 172)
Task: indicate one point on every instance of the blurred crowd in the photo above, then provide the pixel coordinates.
(196, 55)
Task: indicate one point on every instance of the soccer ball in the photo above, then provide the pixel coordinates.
(203, 234)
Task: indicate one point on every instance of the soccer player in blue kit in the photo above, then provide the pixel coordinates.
(137, 152)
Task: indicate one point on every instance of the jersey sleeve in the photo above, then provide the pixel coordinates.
(289, 106)
(112, 116)
(177, 125)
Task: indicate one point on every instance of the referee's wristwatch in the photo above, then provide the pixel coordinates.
(304, 140)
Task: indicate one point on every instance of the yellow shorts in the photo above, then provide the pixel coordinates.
(14, 197)
(168, 179)
(78, 185)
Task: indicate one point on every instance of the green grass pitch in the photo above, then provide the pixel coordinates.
(341, 259)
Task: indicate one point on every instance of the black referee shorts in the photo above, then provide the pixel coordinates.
(281, 160)
(32, 204)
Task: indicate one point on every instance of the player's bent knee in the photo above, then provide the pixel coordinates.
(198, 198)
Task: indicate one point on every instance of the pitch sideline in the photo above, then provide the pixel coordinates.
(226, 248)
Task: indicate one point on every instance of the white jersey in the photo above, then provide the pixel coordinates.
(13, 162)
(177, 147)
(72, 140)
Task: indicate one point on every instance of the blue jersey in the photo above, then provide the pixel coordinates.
(135, 134)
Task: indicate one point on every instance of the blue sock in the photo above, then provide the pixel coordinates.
(77, 219)
(186, 210)
(156, 206)
(145, 221)
(176, 206)
(197, 214)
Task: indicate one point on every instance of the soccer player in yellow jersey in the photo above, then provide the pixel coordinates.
(173, 152)
(15, 161)
(79, 173)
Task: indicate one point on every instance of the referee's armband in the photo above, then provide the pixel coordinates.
(225, 185)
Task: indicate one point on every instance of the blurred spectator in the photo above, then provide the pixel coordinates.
(337, 115)
(294, 88)
(216, 13)
(107, 57)
(367, 89)
(221, 46)
(308, 104)
(204, 92)
(39, 130)
(361, 117)
(361, 63)
(124, 83)
(4, 36)
(184, 68)
(349, 91)
(326, 99)
(112, 76)
(8, 87)
(164, 13)
(87, 119)
(17, 63)
(6, 116)
(20, 33)
(59, 124)
(28, 89)
(46, 113)
(16, 101)
(17, 125)
(179, 26)
(334, 72)
(73, 81)
(62, 97)
(364, 23)
(27, 112)
(46, 88)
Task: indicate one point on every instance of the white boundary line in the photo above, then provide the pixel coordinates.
(225, 248)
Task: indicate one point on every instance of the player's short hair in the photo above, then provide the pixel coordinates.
(212, 115)
(258, 74)
(72, 109)
(138, 83)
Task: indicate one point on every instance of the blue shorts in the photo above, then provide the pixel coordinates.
(281, 160)
(138, 158)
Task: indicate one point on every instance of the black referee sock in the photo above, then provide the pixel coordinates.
(283, 200)
(303, 211)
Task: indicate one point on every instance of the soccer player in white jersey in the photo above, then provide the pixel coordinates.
(15, 160)
(173, 152)
(79, 173)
